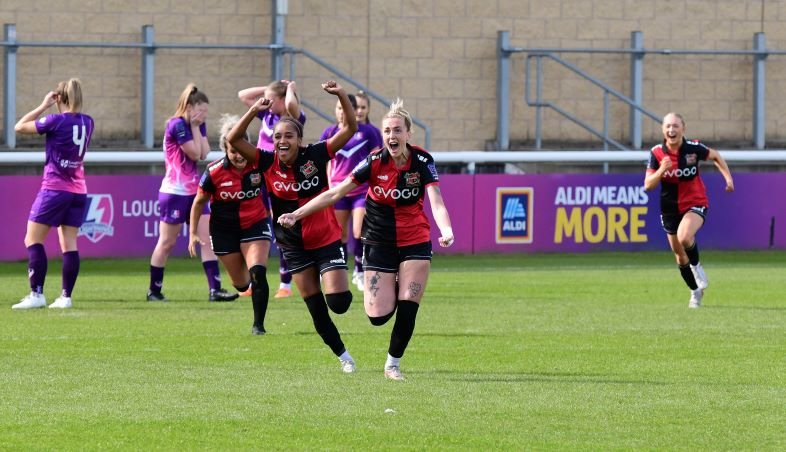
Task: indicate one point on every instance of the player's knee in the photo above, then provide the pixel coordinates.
(378, 321)
(339, 302)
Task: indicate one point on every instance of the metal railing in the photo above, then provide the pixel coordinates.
(148, 47)
(637, 52)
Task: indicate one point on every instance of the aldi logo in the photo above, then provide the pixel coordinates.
(514, 214)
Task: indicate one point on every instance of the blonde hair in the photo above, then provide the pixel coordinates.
(226, 123)
(70, 94)
(190, 96)
(397, 111)
(676, 115)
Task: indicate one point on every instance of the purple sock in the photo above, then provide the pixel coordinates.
(36, 267)
(70, 271)
(156, 279)
(357, 249)
(283, 270)
(213, 274)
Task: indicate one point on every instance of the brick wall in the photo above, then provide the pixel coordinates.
(438, 55)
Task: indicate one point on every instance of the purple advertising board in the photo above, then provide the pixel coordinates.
(491, 213)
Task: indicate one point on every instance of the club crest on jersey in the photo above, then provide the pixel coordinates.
(308, 169)
(412, 179)
(256, 178)
(99, 213)
(690, 159)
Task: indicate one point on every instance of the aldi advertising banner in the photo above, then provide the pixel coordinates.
(491, 213)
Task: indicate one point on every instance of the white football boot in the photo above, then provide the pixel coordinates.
(700, 276)
(31, 301)
(61, 303)
(695, 298)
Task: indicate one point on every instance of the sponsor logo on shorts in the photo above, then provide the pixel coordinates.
(99, 214)
(514, 215)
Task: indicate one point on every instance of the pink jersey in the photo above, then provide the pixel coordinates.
(182, 176)
(67, 138)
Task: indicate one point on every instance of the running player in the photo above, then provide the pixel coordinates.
(396, 237)
(294, 174)
(283, 102)
(239, 224)
(674, 165)
(62, 198)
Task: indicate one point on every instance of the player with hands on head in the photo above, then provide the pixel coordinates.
(294, 174)
(396, 232)
(674, 165)
(62, 198)
(240, 232)
(185, 144)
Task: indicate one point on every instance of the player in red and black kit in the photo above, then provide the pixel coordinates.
(239, 228)
(674, 164)
(294, 174)
(395, 234)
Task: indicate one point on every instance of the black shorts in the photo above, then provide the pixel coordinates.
(671, 222)
(224, 240)
(386, 259)
(328, 257)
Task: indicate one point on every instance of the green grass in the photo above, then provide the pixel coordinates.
(558, 352)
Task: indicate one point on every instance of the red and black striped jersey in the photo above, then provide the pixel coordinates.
(235, 195)
(394, 202)
(681, 186)
(290, 187)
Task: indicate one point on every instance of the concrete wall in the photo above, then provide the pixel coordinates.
(438, 55)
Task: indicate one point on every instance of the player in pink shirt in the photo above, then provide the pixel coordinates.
(62, 199)
(185, 144)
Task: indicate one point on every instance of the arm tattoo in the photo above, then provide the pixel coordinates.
(415, 289)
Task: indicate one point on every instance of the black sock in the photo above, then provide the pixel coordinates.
(260, 294)
(693, 254)
(687, 275)
(403, 327)
(323, 324)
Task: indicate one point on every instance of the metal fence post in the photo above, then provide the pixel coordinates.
(503, 91)
(280, 8)
(759, 85)
(148, 80)
(636, 81)
(9, 86)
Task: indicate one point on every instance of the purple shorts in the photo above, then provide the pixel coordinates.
(351, 202)
(58, 208)
(176, 209)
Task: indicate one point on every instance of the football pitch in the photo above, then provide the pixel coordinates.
(510, 352)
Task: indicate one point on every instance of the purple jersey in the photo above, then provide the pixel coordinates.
(67, 138)
(269, 121)
(355, 151)
(182, 176)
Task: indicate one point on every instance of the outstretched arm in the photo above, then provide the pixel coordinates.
(237, 136)
(291, 101)
(440, 213)
(324, 199)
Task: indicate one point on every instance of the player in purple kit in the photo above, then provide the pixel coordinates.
(283, 103)
(396, 237)
(185, 144)
(354, 203)
(62, 199)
